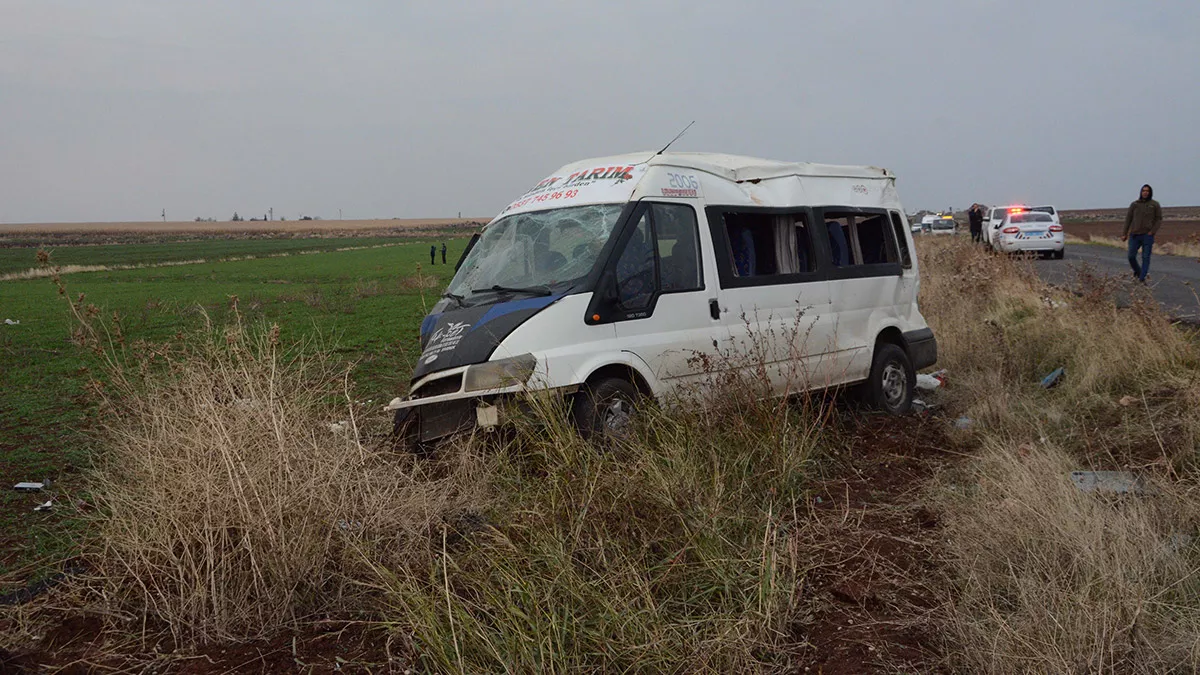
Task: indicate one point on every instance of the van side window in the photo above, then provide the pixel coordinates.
(899, 229)
(859, 239)
(678, 238)
(768, 244)
(637, 278)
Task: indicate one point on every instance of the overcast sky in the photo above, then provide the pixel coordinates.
(115, 110)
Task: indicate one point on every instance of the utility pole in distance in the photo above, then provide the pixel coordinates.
(164, 215)
(272, 212)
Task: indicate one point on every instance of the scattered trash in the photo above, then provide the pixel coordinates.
(339, 427)
(29, 487)
(963, 422)
(1114, 482)
(10, 322)
(1053, 378)
(44, 507)
(919, 406)
(1127, 401)
(349, 525)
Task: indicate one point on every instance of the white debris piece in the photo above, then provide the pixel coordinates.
(1113, 482)
(931, 381)
(29, 486)
(10, 322)
(44, 507)
(339, 427)
(394, 405)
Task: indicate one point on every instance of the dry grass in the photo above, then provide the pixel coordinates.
(1045, 578)
(229, 508)
(1052, 579)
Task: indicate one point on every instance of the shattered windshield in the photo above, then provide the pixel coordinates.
(535, 251)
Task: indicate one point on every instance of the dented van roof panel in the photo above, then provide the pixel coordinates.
(622, 178)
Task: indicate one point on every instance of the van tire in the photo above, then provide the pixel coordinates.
(599, 405)
(892, 380)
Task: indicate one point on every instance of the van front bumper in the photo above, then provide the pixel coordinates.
(426, 421)
(922, 347)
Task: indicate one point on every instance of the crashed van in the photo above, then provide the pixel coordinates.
(607, 280)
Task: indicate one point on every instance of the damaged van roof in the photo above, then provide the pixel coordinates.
(736, 168)
(620, 178)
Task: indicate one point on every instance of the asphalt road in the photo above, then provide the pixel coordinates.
(1174, 280)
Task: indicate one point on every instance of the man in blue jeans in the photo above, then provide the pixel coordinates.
(1141, 224)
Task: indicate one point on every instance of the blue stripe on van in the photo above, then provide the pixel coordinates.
(428, 323)
(503, 308)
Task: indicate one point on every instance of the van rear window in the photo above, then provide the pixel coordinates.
(859, 239)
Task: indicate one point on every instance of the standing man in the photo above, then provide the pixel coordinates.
(975, 218)
(1141, 224)
(433, 254)
(443, 253)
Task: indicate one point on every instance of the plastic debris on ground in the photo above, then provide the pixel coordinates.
(1112, 482)
(45, 506)
(963, 423)
(931, 381)
(10, 322)
(29, 486)
(1127, 401)
(1053, 378)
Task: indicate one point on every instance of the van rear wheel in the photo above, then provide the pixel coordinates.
(892, 380)
(605, 408)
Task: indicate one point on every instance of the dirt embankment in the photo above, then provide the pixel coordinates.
(1181, 224)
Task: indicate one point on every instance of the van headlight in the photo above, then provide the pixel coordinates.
(500, 374)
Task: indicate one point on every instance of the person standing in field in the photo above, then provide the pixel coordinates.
(1141, 224)
(443, 253)
(975, 219)
(433, 254)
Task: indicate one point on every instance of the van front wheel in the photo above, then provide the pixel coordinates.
(605, 408)
(890, 387)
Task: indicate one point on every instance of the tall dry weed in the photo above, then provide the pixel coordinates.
(237, 494)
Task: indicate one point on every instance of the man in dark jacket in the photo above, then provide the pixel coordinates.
(433, 254)
(1141, 224)
(975, 218)
(443, 253)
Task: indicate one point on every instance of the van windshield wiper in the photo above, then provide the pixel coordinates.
(455, 297)
(531, 290)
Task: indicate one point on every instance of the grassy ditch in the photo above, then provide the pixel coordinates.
(1042, 576)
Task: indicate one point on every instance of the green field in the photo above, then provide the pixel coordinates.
(369, 303)
(16, 259)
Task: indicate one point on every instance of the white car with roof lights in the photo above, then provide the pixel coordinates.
(1025, 231)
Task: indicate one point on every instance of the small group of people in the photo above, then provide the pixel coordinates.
(1142, 221)
(433, 254)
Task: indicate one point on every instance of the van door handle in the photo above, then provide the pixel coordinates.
(714, 309)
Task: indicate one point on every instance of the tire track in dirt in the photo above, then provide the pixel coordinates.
(868, 601)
